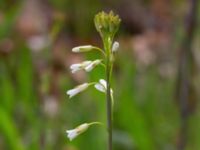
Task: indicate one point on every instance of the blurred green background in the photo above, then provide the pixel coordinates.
(36, 38)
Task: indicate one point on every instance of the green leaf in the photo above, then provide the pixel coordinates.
(10, 131)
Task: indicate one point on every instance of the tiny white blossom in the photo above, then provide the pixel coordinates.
(76, 67)
(86, 65)
(77, 89)
(73, 133)
(115, 46)
(84, 48)
(91, 65)
(101, 86)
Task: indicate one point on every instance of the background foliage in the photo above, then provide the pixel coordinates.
(36, 37)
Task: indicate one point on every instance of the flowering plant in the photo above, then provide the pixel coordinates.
(107, 25)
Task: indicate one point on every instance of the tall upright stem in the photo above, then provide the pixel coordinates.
(107, 46)
(109, 108)
(107, 25)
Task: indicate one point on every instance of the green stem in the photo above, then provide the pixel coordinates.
(100, 50)
(95, 123)
(107, 46)
(102, 64)
(92, 83)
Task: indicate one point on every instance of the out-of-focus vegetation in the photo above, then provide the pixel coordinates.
(36, 37)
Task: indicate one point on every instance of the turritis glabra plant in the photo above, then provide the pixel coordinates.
(107, 25)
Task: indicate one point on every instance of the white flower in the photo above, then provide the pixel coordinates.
(77, 89)
(91, 65)
(77, 131)
(76, 67)
(84, 48)
(115, 46)
(86, 65)
(101, 86)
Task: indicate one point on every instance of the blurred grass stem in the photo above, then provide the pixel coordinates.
(185, 94)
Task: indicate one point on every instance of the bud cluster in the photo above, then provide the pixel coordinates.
(107, 24)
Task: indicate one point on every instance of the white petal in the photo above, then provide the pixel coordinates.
(77, 90)
(70, 131)
(75, 70)
(77, 131)
(72, 92)
(79, 66)
(103, 82)
(73, 66)
(115, 46)
(85, 63)
(100, 87)
(72, 134)
(92, 65)
(75, 49)
(89, 67)
(82, 86)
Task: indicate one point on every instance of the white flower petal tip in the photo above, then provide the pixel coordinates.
(86, 65)
(103, 82)
(72, 134)
(115, 46)
(92, 65)
(101, 86)
(76, 67)
(77, 90)
(84, 48)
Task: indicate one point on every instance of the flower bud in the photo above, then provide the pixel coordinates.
(80, 66)
(93, 64)
(77, 89)
(86, 65)
(115, 46)
(101, 86)
(77, 131)
(84, 48)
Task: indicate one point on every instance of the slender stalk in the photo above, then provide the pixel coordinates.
(107, 25)
(100, 50)
(109, 109)
(107, 46)
(95, 123)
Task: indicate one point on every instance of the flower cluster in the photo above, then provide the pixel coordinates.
(106, 24)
